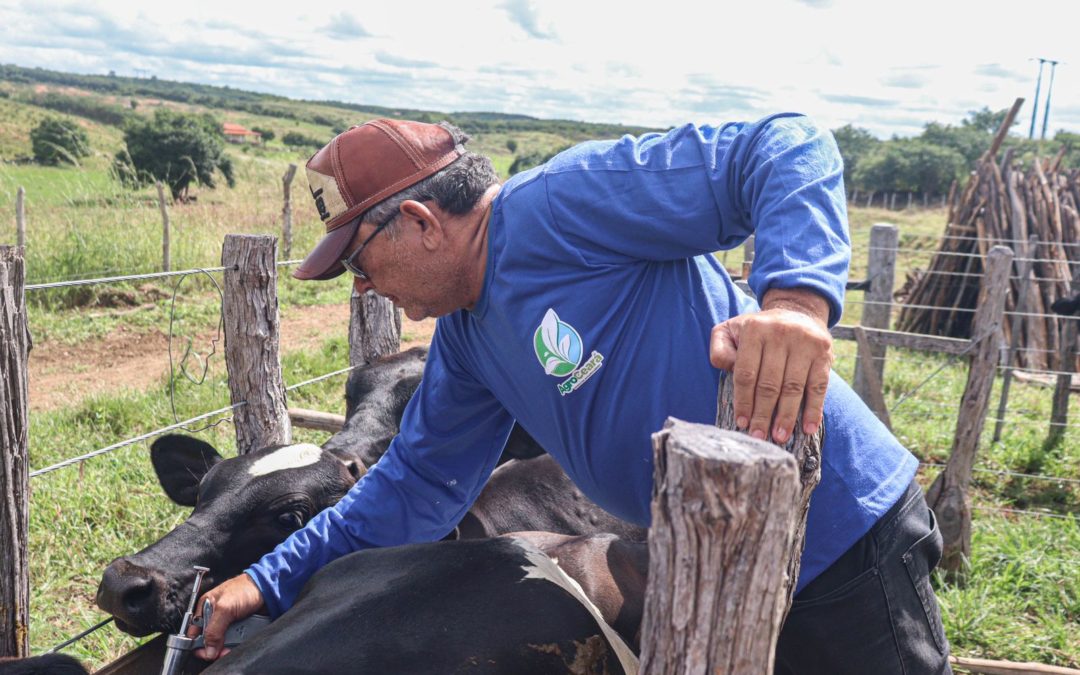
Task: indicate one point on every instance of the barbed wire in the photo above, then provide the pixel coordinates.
(1037, 514)
(1015, 474)
(187, 351)
(147, 275)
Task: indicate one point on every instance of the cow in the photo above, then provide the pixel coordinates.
(245, 505)
(498, 605)
(46, 664)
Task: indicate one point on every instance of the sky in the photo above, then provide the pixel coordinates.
(889, 67)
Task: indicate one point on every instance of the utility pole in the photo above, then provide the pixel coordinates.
(1035, 104)
(1049, 92)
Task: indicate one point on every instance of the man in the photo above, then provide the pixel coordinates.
(580, 298)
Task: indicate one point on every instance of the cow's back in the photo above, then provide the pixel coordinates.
(476, 606)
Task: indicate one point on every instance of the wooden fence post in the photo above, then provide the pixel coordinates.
(286, 211)
(1026, 267)
(374, 328)
(892, 202)
(14, 459)
(877, 312)
(252, 349)
(948, 494)
(1059, 415)
(747, 266)
(166, 256)
(869, 199)
(716, 599)
(20, 217)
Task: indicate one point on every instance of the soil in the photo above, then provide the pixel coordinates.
(64, 375)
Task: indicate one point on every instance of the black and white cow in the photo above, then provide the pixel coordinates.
(246, 505)
(497, 605)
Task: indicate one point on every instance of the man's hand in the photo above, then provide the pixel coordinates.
(777, 356)
(236, 599)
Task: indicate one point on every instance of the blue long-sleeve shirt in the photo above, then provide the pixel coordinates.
(593, 327)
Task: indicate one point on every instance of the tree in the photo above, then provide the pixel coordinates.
(266, 134)
(855, 143)
(512, 146)
(909, 165)
(297, 139)
(57, 140)
(176, 148)
(531, 159)
(969, 140)
(987, 120)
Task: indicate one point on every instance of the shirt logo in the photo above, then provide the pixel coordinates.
(559, 349)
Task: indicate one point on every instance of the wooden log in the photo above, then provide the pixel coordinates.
(990, 667)
(286, 210)
(20, 217)
(872, 393)
(14, 457)
(166, 255)
(1003, 130)
(948, 494)
(877, 312)
(724, 505)
(316, 419)
(252, 350)
(374, 328)
(918, 341)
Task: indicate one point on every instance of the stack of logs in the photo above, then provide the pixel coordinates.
(1004, 203)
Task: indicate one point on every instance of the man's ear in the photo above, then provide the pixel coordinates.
(427, 219)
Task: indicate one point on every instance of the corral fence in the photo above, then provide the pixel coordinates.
(686, 627)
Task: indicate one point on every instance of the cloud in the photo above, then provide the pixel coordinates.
(867, 101)
(525, 16)
(345, 27)
(999, 71)
(401, 62)
(905, 80)
(715, 99)
(816, 4)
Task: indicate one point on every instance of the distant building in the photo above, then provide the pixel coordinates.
(234, 133)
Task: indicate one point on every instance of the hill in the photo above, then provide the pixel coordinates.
(101, 104)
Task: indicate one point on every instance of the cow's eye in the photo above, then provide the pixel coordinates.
(290, 520)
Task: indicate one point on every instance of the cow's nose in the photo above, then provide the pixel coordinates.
(131, 593)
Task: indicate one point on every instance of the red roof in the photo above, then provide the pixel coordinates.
(237, 130)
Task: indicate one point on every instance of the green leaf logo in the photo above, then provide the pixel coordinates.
(557, 345)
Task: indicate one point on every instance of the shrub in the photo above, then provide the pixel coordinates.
(176, 148)
(267, 134)
(57, 140)
(297, 139)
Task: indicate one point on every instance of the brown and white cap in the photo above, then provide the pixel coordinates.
(361, 167)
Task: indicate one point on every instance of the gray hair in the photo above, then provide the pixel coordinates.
(456, 188)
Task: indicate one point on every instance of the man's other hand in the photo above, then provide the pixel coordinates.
(780, 358)
(236, 599)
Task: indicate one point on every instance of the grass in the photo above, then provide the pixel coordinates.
(1020, 597)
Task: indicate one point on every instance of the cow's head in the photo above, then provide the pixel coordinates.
(243, 508)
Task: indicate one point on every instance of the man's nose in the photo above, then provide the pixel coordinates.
(361, 286)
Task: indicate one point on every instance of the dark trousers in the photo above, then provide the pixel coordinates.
(873, 610)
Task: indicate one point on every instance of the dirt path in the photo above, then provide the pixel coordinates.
(64, 375)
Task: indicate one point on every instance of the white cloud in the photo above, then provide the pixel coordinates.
(839, 60)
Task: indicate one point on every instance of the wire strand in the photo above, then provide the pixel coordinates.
(132, 441)
(136, 277)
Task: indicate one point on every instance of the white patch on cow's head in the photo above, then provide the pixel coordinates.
(289, 457)
(543, 567)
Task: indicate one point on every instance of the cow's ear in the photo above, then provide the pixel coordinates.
(180, 463)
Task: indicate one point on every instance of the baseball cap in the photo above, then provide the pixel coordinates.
(361, 167)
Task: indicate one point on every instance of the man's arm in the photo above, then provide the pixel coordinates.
(777, 356)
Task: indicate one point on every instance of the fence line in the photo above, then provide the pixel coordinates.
(1023, 512)
(135, 277)
(1015, 474)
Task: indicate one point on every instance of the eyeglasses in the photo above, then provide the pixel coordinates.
(351, 263)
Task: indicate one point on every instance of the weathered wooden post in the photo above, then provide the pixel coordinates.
(374, 328)
(286, 210)
(14, 459)
(892, 202)
(729, 519)
(252, 349)
(1059, 415)
(1017, 328)
(948, 494)
(166, 256)
(877, 310)
(869, 198)
(20, 217)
